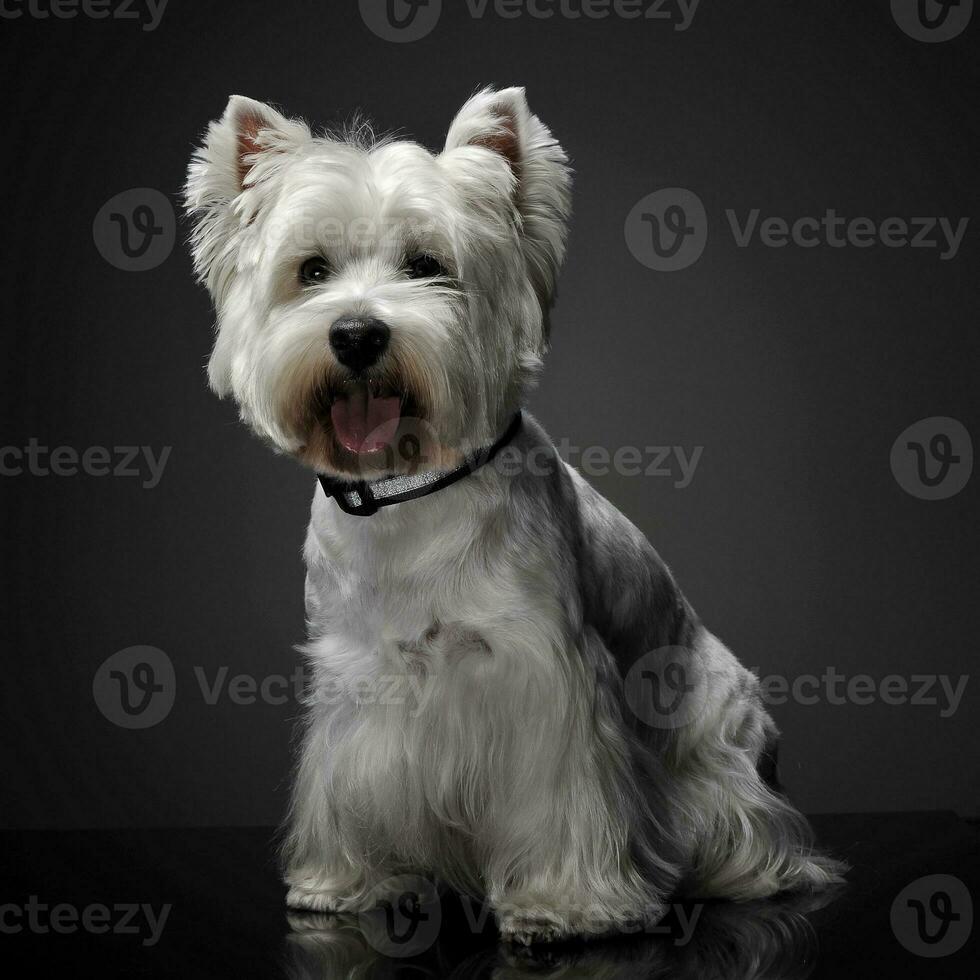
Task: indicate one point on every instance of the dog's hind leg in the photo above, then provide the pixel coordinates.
(749, 841)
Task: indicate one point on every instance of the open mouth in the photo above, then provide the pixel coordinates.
(365, 415)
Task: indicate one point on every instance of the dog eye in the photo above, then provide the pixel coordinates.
(424, 267)
(314, 270)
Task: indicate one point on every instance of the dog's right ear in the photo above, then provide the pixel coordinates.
(241, 152)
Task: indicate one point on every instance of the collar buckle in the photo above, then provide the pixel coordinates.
(368, 503)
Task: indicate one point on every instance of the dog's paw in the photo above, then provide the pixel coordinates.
(527, 926)
(310, 901)
(531, 922)
(316, 923)
(318, 892)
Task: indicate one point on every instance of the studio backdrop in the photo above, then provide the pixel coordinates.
(764, 352)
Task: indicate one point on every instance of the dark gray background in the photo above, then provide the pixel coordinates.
(795, 370)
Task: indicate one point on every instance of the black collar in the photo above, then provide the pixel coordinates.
(362, 498)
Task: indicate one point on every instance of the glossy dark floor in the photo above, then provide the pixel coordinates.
(208, 903)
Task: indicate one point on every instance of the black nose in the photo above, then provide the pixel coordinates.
(358, 342)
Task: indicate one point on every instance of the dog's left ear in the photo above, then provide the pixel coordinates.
(495, 121)
(539, 181)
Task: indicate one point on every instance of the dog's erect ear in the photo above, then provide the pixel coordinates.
(502, 123)
(242, 150)
(259, 128)
(496, 121)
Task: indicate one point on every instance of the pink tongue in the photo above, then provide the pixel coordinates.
(363, 423)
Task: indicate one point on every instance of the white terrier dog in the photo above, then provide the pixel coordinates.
(382, 312)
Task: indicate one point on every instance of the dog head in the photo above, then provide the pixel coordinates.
(378, 305)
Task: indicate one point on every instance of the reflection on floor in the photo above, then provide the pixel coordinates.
(208, 903)
(714, 940)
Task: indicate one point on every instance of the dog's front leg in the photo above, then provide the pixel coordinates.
(572, 853)
(320, 872)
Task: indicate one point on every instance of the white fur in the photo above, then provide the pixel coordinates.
(363, 205)
(467, 716)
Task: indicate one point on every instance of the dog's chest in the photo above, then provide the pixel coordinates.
(433, 658)
(458, 609)
(443, 642)
(376, 621)
(403, 628)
